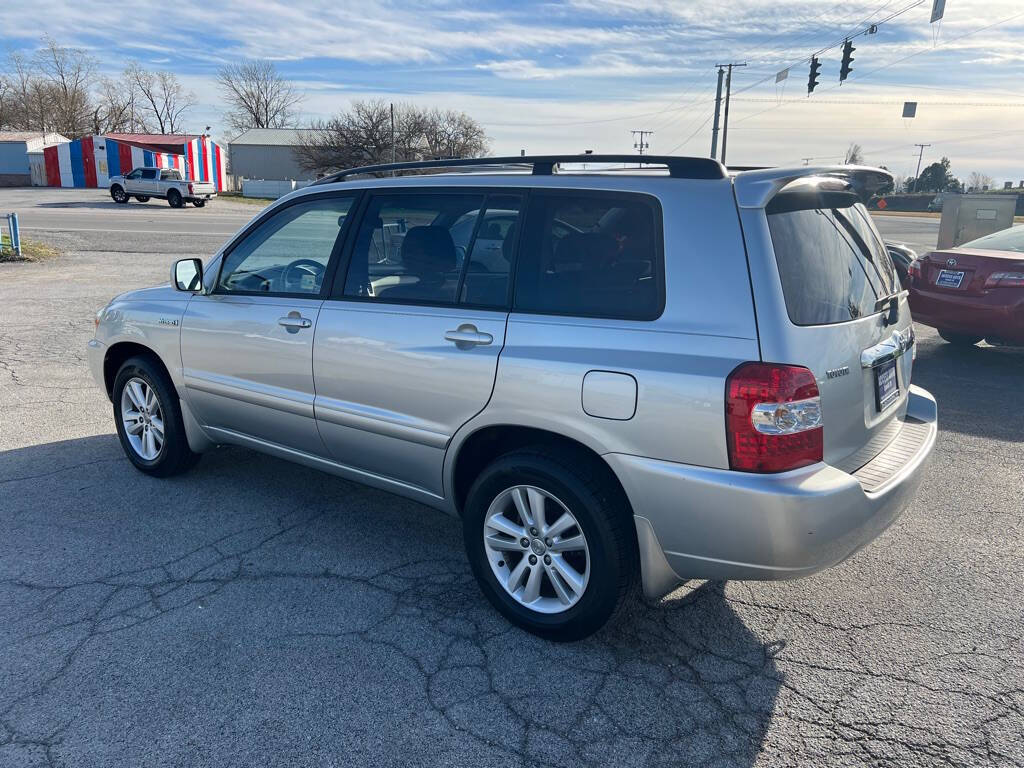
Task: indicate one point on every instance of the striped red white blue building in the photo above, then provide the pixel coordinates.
(92, 160)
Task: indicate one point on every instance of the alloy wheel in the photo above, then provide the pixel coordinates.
(142, 418)
(536, 549)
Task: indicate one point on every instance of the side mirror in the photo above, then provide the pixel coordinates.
(187, 275)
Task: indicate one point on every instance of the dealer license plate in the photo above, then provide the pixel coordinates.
(887, 387)
(949, 279)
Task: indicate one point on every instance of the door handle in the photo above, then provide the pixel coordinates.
(294, 321)
(467, 335)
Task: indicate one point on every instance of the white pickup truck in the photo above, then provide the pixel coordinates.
(165, 183)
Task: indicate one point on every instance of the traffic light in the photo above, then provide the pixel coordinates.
(845, 68)
(812, 81)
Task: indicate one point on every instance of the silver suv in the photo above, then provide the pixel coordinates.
(615, 378)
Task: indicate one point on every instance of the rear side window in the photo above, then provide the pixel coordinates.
(591, 255)
(831, 262)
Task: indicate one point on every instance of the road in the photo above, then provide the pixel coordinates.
(254, 612)
(919, 232)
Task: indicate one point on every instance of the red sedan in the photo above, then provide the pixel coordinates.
(973, 292)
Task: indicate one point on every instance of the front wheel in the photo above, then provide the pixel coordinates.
(147, 414)
(174, 199)
(118, 194)
(551, 542)
(959, 339)
(198, 203)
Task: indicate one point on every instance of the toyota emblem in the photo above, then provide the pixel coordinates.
(950, 262)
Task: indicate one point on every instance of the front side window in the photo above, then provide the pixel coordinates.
(136, 174)
(287, 253)
(413, 247)
(592, 255)
(149, 173)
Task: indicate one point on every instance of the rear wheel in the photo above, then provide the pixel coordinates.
(551, 543)
(198, 203)
(142, 198)
(147, 414)
(118, 194)
(960, 339)
(174, 199)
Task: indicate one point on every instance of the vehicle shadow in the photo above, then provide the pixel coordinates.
(322, 606)
(978, 388)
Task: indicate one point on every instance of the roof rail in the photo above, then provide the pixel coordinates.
(544, 165)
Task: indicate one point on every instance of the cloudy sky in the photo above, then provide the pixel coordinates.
(581, 74)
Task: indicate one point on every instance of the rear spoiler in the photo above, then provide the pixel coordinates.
(755, 189)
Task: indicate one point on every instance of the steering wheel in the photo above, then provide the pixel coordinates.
(293, 275)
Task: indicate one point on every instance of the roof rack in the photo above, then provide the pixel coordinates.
(544, 165)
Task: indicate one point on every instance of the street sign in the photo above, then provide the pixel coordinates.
(910, 109)
(780, 76)
(938, 8)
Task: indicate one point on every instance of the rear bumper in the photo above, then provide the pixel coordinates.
(986, 316)
(696, 522)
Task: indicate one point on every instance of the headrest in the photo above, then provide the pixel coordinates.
(428, 249)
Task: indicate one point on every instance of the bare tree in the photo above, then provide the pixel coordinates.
(363, 136)
(164, 99)
(31, 95)
(118, 107)
(978, 181)
(259, 96)
(854, 155)
(69, 72)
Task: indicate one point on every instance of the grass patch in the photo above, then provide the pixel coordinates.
(31, 250)
(236, 197)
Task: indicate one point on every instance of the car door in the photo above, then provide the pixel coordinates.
(133, 183)
(407, 346)
(247, 345)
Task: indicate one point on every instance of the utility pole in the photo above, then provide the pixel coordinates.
(718, 109)
(728, 92)
(807, 160)
(640, 144)
(920, 156)
(392, 135)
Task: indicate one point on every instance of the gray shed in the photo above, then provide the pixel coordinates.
(18, 149)
(266, 153)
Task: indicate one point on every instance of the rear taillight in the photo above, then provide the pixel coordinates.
(772, 418)
(1004, 279)
(914, 270)
(191, 191)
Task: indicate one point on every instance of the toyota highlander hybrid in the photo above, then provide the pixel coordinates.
(616, 379)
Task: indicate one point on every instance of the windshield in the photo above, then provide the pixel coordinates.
(1011, 239)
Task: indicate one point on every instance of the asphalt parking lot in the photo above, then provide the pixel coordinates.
(254, 612)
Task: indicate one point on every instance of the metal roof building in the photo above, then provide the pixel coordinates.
(17, 149)
(267, 153)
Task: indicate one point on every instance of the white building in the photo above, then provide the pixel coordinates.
(21, 157)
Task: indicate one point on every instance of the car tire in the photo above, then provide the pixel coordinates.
(606, 567)
(150, 405)
(960, 339)
(198, 203)
(142, 198)
(174, 199)
(118, 194)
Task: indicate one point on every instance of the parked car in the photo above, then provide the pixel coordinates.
(684, 376)
(902, 255)
(974, 291)
(164, 183)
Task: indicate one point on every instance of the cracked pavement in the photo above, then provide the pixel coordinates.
(254, 612)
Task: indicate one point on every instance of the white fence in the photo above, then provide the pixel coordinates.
(270, 189)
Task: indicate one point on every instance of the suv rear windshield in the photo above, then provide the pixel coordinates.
(833, 264)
